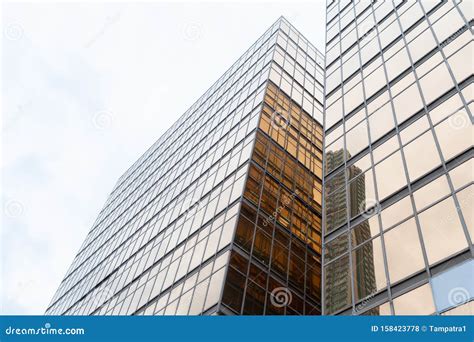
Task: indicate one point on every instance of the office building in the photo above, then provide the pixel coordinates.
(397, 235)
(222, 215)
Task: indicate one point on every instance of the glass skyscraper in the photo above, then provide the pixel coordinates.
(222, 215)
(397, 235)
(304, 183)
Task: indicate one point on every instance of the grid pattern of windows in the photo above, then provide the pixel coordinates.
(398, 153)
(162, 242)
(278, 237)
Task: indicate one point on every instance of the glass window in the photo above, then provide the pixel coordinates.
(381, 122)
(420, 163)
(466, 309)
(365, 231)
(442, 231)
(357, 139)
(396, 212)
(369, 270)
(389, 146)
(335, 155)
(455, 286)
(416, 302)
(336, 209)
(403, 250)
(431, 192)
(361, 192)
(381, 310)
(337, 282)
(407, 103)
(462, 174)
(454, 134)
(466, 204)
(390, 175)
(336, 247)
(436, 82)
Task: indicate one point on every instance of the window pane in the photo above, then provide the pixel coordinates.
(403, 249)
(416, 302)
(337, 282)
(390, 175)
(368, 268)
(357, 139)
(455, 286)
(454, 134)
(421, 156)
(442, 231)
(396, 212)
(465, 202)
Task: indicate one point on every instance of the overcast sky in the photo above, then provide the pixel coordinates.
(86, 89)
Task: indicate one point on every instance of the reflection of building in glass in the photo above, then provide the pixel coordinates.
(399, 98)
(222, 215)
(338, 284)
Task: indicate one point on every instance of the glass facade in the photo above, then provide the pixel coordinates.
(222, 215)
(398, 158)
(303, 183)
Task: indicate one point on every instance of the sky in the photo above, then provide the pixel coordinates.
(86, 89)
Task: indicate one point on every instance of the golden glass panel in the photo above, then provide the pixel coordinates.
(357, 139)
(431, 192)
(442, 231)
(381, 310)
(336, 247)
(455, 134)
(390, 175)
(404, 256)
(365, 231)
(462, 174)
(418, 163)
(381, 122)
(368, 268)
(337, 282)
(436, 82)
(466, 309)
(465, 199)
(416, 302)
(361, 192)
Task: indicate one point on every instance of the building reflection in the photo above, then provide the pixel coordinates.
(338, 274)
